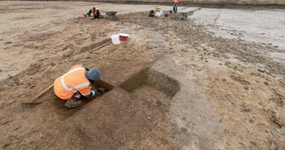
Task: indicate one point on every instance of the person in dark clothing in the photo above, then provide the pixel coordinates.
(90, 11)
(175, 5)
(97, 13)
(151, 13)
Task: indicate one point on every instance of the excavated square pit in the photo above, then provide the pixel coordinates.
(152, 86)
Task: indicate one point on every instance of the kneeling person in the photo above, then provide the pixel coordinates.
(96, 13)
(74, 83)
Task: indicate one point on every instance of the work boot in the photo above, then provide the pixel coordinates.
(73, 103)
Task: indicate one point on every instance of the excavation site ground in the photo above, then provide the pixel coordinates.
(212, 82)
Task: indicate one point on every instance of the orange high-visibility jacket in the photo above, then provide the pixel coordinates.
(71, 82)
(95, 12)
(176, 1)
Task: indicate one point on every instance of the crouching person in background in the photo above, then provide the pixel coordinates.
(91, 11)
(96, 13)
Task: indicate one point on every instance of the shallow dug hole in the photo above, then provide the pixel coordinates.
(65, 112)
(152, 86)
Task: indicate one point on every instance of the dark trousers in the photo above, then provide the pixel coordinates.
(89, 13)
(151, 13)
(175, 7)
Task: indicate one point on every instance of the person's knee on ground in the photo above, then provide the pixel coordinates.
(74, 102)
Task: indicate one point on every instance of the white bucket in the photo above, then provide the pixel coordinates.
(158, 14)
(116, 39)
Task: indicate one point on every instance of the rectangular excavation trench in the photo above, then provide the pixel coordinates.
(152, 86)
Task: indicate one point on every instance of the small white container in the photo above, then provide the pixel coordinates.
(158, 14)
(115, 39)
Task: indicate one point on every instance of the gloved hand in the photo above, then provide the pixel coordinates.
(101, 90)
(93, 91)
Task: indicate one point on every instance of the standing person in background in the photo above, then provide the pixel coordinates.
(175, 5)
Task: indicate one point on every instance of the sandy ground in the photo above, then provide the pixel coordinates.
(214, 81)
(261, 26)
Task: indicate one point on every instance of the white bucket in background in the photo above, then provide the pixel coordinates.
(158, 14)
(116, 39)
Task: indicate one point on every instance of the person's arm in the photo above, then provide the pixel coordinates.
(88, 92)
